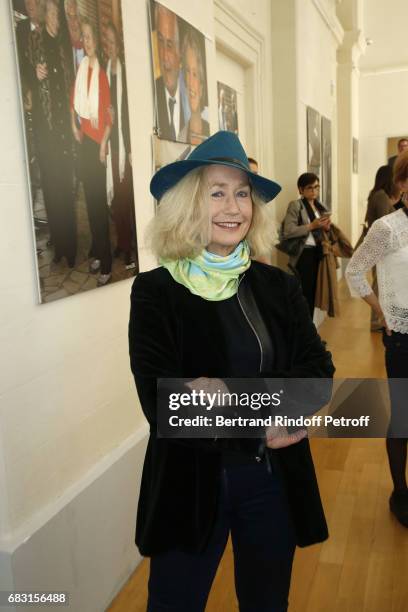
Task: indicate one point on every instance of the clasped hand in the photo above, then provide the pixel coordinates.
(276, 436)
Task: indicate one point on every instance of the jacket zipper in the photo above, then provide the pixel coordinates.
(260, 348)
(250, 324)
(262, 451)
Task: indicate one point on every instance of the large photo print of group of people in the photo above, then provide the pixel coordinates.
(73, 85)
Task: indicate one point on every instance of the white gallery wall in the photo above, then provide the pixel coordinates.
(305, 39)
(242, 34)
(383, 88)
(68, 410)
(72, 434)
(383, 114)
(318, 35)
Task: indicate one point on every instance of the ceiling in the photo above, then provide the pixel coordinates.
(386, 23)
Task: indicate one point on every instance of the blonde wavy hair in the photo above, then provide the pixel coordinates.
(182, 226)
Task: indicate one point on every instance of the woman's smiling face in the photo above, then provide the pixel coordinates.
(230, 207)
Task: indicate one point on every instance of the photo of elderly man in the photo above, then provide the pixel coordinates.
(169, 97)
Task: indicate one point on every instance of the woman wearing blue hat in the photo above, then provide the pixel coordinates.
(211, 312)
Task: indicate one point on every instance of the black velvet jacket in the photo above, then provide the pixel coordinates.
(173, 333)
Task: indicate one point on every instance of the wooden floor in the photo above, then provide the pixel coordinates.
(363, 567)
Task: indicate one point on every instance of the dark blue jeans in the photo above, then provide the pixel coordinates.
(254, 508)
(396, 363)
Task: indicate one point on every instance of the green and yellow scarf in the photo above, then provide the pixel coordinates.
(212, 277)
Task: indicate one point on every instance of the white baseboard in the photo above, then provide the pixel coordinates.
(86, 545)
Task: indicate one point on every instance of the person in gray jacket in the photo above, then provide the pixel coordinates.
(304, 219)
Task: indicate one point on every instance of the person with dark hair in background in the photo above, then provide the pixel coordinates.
(382, 196)
(197, 129)
(170, 109)
(304, 219)
(51, 120)
(91, 103)
(386, 247)
(402, 146)
(119, 160)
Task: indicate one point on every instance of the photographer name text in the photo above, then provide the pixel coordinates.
(270, 421)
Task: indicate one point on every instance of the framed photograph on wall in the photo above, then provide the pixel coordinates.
(227, 108)
(180, 77)
(313, 140)
(326, 178)
(72, 72)
(355, 156)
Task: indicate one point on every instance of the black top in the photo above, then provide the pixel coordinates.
(243, 359)
(175, 334)
(242, 348)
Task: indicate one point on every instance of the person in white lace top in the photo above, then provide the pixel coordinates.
(386, 246)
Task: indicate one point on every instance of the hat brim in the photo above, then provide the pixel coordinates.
(168, 176)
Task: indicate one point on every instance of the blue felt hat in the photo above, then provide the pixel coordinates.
(223, 148)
